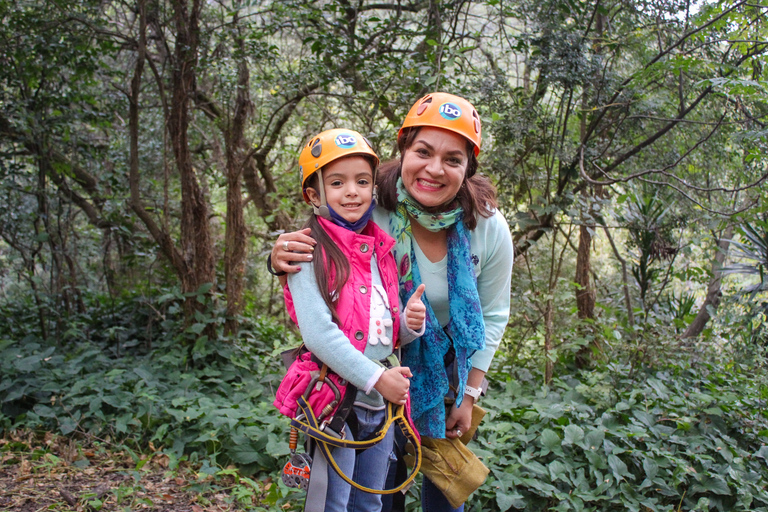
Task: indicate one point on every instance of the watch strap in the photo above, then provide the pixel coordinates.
(473, 392)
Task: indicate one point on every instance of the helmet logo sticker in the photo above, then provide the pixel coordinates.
(345, 140)
(450, 111)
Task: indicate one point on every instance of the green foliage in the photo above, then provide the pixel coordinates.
(751, 255)
(614, 438)
(630, 92)
(210, 399)
(680, 437)
(650, 219)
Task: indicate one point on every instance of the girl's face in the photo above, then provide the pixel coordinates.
(348, 185)
(434, 166)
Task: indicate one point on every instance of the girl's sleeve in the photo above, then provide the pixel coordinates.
(321, 335)
(493, 284)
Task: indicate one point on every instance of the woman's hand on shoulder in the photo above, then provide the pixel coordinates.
(296, 246)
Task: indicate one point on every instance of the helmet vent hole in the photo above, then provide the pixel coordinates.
(317, 148)
(423, 106)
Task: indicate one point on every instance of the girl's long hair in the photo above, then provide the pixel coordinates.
(477, 195)
(328, 260)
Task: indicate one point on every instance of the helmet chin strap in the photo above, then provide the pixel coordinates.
(321, 210)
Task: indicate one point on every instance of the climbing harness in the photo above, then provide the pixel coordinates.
(328, 430)
(296, 470)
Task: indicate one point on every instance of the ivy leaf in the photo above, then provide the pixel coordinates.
(558, 471)
(594, 439)
(28, 364)
(650, 467)
(619, 468)
(276, 447)
(44, 411)
(196, 328)
(550, 440)
(646, 419)
(506, 501)
(204, 288)
(573, 435)
(144, 373)
(711, 484)
(67, 425)
(244, 454)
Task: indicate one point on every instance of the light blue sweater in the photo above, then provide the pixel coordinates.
(491, 244)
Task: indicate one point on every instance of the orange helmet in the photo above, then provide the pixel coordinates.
(328, 146)
(443, 110)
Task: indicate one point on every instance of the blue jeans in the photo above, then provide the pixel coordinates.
(433, 499)
(367, 468)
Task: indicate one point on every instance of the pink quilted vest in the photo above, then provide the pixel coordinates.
(353, 307)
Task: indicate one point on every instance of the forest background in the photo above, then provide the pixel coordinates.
(148, 159)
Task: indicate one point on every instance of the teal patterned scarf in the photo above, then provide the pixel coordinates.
(424, 356)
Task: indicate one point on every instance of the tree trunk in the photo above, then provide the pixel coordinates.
(549, 366)
(235, 236)
(585, 291)
(196, 244)
(713, 291)
(624, 283)
(161, 236)
(194, 263)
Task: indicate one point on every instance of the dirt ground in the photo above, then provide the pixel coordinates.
(54, 473)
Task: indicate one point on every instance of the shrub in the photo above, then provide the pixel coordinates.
(205, 399)
(675, 438)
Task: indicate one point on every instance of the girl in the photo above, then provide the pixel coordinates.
(345, 301)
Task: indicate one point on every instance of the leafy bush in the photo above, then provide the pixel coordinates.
(678, 438)
(751, 255)
(670, 435)
(206, 399)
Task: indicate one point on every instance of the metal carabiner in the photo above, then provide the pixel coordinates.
(328, 409)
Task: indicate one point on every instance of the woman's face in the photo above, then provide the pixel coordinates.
(434, 166)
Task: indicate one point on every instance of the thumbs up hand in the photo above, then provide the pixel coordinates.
(415, 310)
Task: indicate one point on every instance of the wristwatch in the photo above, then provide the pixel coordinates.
(473, 392)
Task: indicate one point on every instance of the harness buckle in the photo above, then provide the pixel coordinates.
(328, 430)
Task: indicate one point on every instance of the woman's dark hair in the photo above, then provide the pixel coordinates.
(477, 195)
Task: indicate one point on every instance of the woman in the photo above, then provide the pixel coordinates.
(448, 230)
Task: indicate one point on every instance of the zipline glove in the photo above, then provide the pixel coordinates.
(452, 467)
